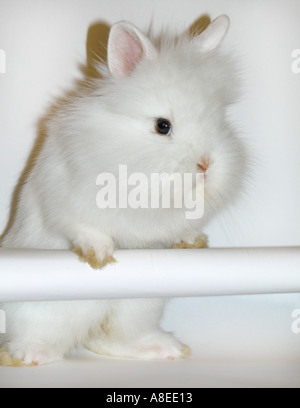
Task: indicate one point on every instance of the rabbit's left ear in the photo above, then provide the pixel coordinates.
(213, 35)
(127, 46)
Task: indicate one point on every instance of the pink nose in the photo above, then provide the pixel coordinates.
(203, 164)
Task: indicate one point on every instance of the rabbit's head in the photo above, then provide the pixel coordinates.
(166, 106)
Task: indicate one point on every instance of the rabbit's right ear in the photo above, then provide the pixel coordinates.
(127, 46)
(213, 35)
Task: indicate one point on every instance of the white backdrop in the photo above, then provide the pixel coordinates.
(45, 42)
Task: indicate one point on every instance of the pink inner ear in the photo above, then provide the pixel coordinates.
(131, 52)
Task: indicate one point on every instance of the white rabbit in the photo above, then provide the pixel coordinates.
(159, 107)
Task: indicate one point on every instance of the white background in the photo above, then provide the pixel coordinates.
(45, 43)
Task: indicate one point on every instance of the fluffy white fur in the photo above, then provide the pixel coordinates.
(186, 80)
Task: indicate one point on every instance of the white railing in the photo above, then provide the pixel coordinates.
(35, 275)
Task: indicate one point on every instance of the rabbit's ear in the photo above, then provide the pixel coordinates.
(127, 46)
(213, 35)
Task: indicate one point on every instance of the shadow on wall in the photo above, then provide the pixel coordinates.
(96, 51)
(96, 48)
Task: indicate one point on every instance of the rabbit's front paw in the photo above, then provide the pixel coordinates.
(97, 254)
(200, 241)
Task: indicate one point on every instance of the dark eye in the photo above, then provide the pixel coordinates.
(163, 127)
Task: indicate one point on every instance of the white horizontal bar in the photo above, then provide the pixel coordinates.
(35, 275)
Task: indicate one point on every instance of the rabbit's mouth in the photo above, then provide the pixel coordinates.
(203, 164)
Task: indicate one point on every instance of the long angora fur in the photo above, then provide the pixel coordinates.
(113, 122)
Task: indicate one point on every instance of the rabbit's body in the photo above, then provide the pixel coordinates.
(186, 81)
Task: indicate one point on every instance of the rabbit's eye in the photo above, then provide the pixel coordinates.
(163, 127)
